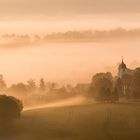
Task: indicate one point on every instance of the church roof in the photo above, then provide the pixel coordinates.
(122, 65)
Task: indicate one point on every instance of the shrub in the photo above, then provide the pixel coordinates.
(10, 107)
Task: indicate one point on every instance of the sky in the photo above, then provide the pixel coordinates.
(64, 7)
(43, 16)
(66, 63)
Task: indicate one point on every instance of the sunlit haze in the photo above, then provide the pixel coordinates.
(69, 69)
(66, 62)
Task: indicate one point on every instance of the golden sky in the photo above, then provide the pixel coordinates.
(64, 7)
(66, 63)
(41, 16)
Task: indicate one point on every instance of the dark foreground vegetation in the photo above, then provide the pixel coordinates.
(10, 109)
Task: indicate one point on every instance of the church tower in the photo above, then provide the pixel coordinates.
(122, 69)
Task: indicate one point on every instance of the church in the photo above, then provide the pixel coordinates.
(123, 70)
(124, 75)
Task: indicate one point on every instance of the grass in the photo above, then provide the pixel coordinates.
(85, 122)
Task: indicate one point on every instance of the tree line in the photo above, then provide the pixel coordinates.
(72, 35)
(103, 87)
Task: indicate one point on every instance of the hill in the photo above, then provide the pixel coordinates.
(84, 122)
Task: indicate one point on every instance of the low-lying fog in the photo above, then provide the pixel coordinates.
(62, 103)
(66, 62)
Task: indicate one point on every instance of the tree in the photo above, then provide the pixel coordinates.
(119, 86)
(107, 96)
(115, 95)
(52, 86)
(10, 107)
(10, 110)
(18, 88)
(31, 85)
(3, 85)
(127, 83)
(135, 87)
(42, 85)
(101, 85)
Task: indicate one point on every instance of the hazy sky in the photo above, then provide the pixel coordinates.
(66, 62)
(64, 7)
(40, 16)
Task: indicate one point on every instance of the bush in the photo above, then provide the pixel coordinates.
(10, 107)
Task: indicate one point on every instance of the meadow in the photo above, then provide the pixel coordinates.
(92, 121)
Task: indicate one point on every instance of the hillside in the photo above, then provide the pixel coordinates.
(85, 122)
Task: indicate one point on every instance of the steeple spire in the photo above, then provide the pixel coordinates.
(122, 60)
(122, 69)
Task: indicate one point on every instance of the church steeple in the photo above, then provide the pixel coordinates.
(122, 60)
(122, 69)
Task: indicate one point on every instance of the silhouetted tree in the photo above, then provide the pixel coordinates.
(3, 85)
(31, 85)
(135, 87)
(119, 86)
(102, 84)
(52, 86)
(42, 85)
(127, 84)
(10, 110)
(81, 89)
(10, 107)
(107, 95)
(18, 88)
(115, 95)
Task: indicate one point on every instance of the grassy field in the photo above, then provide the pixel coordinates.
(84, 122)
